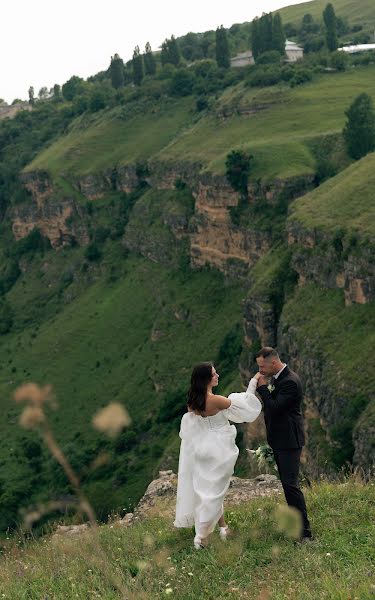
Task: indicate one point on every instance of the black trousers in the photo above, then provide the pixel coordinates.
(288, 462)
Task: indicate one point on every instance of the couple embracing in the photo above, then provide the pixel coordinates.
(208, 451)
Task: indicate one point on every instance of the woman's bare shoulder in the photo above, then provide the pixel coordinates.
(217, 401)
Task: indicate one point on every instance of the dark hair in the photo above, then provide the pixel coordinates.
(266, 352)
(200, 378)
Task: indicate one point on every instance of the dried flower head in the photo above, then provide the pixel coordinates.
(33, 394)
(31, 417)
(112, 419)
(288, 521)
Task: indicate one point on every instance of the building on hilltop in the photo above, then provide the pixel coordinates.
(293, 53)
(353, 49)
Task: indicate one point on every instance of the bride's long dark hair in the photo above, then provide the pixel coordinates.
(200, 378)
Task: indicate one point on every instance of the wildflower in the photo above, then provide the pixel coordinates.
(191, 574)
(328, 554)
(169, 591)
(111, 419)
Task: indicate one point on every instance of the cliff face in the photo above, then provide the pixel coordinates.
(331, 261)
(59, 218)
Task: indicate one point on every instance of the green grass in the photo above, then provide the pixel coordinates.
(108, 140)
(152, 557)
(360, 12)
(346, 201)
(278, 136)
(92, 342)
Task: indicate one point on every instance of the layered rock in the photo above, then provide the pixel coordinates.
(58, 217)
(331, 261)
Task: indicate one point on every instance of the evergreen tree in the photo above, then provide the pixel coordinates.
(329, 18)
(237, 166)
(278, 35)
(56, 92)
(137, 66)
(116, 71)
(222, 48)
(31, 95)
(256, 42)
(359, 131)
(149, 60)
(170, 52)
(265, 32)
(174, 51)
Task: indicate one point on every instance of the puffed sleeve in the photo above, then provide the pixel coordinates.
(245, 406)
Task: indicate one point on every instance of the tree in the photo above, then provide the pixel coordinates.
(329, 18)
(149, 60)
(278, 35)
(137, 66)
(222, 48)
(170, 52)
(265, 32)
(256, 42)
(237, 171)
(56, 92)
(174, 51)
(73, 87)
(359, 131)
(31, 95)
(43, 93)
(116, 71)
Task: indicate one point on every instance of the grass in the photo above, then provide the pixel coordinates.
(361, 13)
(108, 140)
(152, 557)
(93, 342)
(279, 136)
(344, 201)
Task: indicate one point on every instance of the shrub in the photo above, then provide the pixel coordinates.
(92, 252)
(269, 57)
(201, 103)
(301, 76)
(182, 83)
(264, 76)
(339, 61)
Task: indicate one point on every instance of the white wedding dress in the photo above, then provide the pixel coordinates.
(208, 454)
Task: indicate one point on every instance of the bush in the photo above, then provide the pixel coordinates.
(264, 76)
(268, 58)
(301, 76)
(6, 317)
(92, 252)
(339, 61)
(182, 83)
(201, 103)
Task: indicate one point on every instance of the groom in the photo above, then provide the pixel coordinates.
(282, 400)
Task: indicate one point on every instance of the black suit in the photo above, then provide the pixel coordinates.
(285, 435)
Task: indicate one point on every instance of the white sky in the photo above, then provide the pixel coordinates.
(43, 42)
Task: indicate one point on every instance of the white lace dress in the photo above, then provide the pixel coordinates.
(208, 454)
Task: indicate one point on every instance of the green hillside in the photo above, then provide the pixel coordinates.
(277, 133)
(124, 316)
(346, 201)
(360, 12)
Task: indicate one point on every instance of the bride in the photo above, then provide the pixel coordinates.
(208, 451)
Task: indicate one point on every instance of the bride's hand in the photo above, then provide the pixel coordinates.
(257, 376)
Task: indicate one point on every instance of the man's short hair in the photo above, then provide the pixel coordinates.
(267, 352)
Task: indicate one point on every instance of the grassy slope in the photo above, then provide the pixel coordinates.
(276, 136)
(107, 139)
(360, 12)
(97, 348)
(258, 563)
(346, 201)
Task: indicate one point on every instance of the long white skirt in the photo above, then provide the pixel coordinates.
(208, 455)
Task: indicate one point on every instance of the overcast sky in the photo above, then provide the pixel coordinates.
(43, 42)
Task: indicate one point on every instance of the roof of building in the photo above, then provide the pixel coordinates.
(357, 48)
(289, 45)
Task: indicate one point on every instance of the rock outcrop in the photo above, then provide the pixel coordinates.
(331, 261)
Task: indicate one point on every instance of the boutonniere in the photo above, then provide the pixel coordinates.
(270, 387)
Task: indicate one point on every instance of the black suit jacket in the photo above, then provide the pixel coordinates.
(283, 411)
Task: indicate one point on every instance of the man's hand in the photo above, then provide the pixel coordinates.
(261, 379)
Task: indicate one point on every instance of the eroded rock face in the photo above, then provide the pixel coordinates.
(322, 258)
(57, 218)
